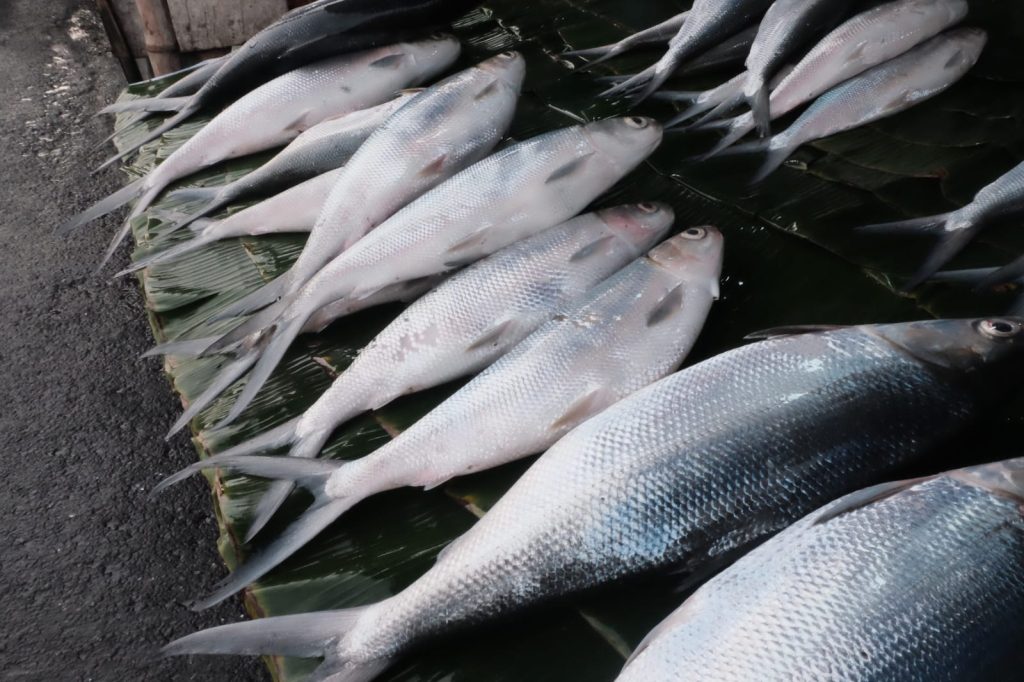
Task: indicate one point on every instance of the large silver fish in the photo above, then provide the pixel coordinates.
(444, 129)
(276, 113)
(866, 40)
(630, 330)
(511, 195)
(786, 27)
(707, 23)
(917, 580)
(655, 35)
(467, 323)
(1001, 198)
(695, 466)
(885, 90)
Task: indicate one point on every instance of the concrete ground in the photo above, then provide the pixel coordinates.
(92, 574)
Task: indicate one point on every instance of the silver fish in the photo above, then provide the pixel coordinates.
(655, 35)
(630, 330)
(917, 580)
(276, 113)
(786, 27)
(1001, 198)
(467, 323)
(715, 101)
(895, 86)
(700, 463)
(513, 194)
(866, 40)
(706, 24)
(447, 127)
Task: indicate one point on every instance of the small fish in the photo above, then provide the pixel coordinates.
(655, 35)
(868, 39)
(1001, 198)
(696, 465)
(627, 332)
(716, 101)
(786, 28)
(707, 22)
(467, 323)
(513, 194)
(915, 580)
(276, 113)
(888, 89)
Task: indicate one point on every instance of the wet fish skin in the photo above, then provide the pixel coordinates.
(831, 597)
(511, 195)
(655, 35)
(630, 330)
(862, 42)
(888, 89)
(856, 402)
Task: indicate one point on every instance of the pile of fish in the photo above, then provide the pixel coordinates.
(571, 324)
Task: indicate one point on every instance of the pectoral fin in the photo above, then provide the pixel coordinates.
(568, 169)
(670, 304)
(582, 409)
(494, 335)
(792, 330)
(592, 249)
(392, 61)
(457, 253)
(435, 167)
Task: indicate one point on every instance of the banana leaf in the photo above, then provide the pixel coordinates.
(791, 258)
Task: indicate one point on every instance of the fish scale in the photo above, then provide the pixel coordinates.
(866, 595)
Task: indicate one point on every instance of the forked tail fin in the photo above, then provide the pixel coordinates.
(104, 206)
(150, 104)
(170, 123)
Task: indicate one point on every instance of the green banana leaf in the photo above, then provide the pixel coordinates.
(791, 258)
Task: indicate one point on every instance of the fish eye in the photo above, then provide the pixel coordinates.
(508, 55)
(648, 207)
(636, 122)
(695, 233)
(999, 329)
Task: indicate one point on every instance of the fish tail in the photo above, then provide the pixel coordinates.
(304, 635)
(212, 198)
(170, 123)
(756, 93)
(1014, 272)
(972, 276)
(635, 83)
(121, 131)
(126, 229)
(188, 348)
(227, 376)
(926, 225)
(165, 255)
(679, 95)
(149, 104)
(104, 206)
(265, 296)
(736, 132)
(950, 245)
(250, 332)
(777, 155)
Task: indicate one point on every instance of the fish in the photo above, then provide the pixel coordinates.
(897, 85)
(704, 461)
(630, 330)
(707, 22)
(786, 28)
(321, 30)
(655, 35)
(467, 323)
(276, 113)
(294, 210)
(439, 132)
(862, 42)
(324, 147)
(715, 101)
(512, 194)
(1002, 198)
(916, 579)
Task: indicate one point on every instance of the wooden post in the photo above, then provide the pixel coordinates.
(118, 44)
(161, 45)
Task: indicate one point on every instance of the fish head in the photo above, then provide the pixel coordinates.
(440, 50)
(508, 67)
(640, 226)
(624, 142)
(952, 10)
(966, 45)
(693, 255)
(987, 352)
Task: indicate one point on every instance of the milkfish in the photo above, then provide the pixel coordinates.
(627, 332)
(715, 101)
(1001, 198)
(786, 28)
(697, 465)
(318, 31)
(513, 194)
(866, 40)
(916, 580)
(708, 22)
(467, 323)
(447, 127)
(888, 89)
(324, 147)
(655, 35)
(276, 113)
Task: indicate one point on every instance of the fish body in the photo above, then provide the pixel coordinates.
(787, 26)
(862, 42)
(630, 330)
(694, 466)
(439, 132)
(918, 580)
(655, 35)
(888, 89)
(511, 195)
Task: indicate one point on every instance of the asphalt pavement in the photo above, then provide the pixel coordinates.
(93, 575)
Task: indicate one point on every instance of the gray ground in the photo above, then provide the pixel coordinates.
(92, 575)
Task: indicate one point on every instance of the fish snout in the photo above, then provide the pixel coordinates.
(694, 253)
(508, 66)
(624, 140)
(639, 225)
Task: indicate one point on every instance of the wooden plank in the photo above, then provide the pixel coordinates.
(131, 25)
(161, 43)
(209, 24)
(118, 43)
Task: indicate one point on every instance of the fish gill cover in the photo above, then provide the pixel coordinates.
(793, 257)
